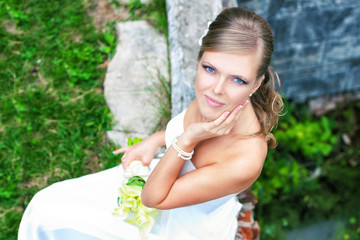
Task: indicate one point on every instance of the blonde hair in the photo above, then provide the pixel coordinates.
(242, 31)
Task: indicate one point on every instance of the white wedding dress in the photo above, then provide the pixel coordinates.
(81, 209)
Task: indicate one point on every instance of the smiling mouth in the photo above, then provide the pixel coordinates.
(212, 102)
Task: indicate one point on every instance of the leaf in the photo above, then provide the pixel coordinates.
(136, 181)
(134, 141)
(109, 38)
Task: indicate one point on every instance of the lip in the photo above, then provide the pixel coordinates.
(212, 102)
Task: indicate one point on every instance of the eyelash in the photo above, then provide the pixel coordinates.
(238, 82)
(208, 69)
(212, 70)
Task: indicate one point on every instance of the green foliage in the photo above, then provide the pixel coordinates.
(134, 7)
(312, 174)
(302, 145)
(312, 138)
(109, 40)
(53, 114)
(154, 11)
(158, 15)
(136, 181)
(353, 233)
(134, 141)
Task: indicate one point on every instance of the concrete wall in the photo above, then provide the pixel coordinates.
(317, 44)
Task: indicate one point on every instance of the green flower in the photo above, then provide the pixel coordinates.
(132, 209)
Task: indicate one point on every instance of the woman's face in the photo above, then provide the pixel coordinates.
(224, 81)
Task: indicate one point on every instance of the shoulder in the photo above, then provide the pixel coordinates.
(251, 151)
(244, 161)
(252, 146)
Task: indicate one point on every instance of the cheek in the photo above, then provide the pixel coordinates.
(201, 82)
(239, 97)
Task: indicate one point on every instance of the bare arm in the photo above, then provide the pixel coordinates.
(165, 190)
(203, 184)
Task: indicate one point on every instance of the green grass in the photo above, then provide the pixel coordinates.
(53, 114)
(54, 117)
(154, 12)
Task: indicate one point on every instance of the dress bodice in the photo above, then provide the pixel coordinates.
(214, 219)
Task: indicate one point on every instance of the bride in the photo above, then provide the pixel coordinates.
(216, 149)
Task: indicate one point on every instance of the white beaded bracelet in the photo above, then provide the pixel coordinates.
(181, 153)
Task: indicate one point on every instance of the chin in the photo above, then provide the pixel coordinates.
(209, 114)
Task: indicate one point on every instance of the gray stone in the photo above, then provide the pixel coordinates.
(316, 42)
(317, 45)
(132, 86)
(187, 21)
(326, 230)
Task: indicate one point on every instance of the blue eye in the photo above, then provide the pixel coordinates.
(209, 69)
(239, 80)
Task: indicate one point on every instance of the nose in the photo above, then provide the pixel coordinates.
(219, 86)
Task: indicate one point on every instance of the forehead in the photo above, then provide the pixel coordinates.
(242, 64)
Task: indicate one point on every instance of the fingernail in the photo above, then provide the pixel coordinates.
(246, 103)
(226, 114)
(240, 107)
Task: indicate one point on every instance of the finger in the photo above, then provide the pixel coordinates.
(225, 128)
(240, 108)
(120, 150)
(232, 116)
(227, 124)
(125, 161)
(221, 119)
(246, 103)
(237, 109)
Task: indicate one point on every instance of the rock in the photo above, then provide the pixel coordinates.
(133, 90)
(187, 21)
(324, 230)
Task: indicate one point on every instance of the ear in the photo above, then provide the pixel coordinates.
(258, 84)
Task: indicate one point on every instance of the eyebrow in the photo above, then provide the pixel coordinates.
(233, 76)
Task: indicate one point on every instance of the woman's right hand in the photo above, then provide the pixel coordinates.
(221, 126)
(143, 151)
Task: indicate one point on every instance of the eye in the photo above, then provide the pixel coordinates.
(208, 69)
(239, 80)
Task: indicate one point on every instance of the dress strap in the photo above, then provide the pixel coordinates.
(174, 128)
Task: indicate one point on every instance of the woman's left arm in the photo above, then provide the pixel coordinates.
(164, 189)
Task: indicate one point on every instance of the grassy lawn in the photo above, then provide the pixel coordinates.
(54, 117)
(53, 113)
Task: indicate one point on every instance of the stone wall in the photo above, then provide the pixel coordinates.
(133, 88)
(317, 44)
(187, 21)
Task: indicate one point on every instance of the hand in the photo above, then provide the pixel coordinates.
(219, 127)
(143, 151)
